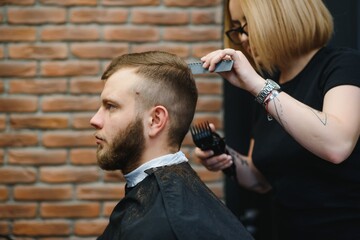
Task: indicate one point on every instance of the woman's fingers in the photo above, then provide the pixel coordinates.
(203, 154)
(216, 163)
(211, 59)
(211, 162)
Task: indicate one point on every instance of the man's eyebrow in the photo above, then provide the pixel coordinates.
(107, 100)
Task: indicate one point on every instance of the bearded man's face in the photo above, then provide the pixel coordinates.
(119, 126)
(125, 149)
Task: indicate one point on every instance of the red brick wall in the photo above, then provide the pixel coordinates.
(52, 54)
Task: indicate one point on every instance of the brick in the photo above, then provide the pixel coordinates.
(70, 103)
(98, 50)
(188, 140)
(108, 208)
(160, 17)
(41, 228)
(2, 122)
(86, 85)
(203, 17)
(22, 34)
(208, 176)
(194, 160)
(37, 15)
(91, 15)
(18, 139)
(212, 118)
(131, 3)
(191, 3)
(12, 175)
(24, 210)
(69, 68)
(5, 228)
(59, 238)
(191, 158)
(90, 227)
(1, 156)
(131, 34)
(209, 104)
(70, 2)
(18, 104)
(209, 86)
(19, 2)
(103, 192)
(39, 121)
(4, 193)
(200, 50)
(1, 52)
(17, 69)
(43, 86)
(113, 176)
(71, 33)
(36, 157)
(105, 64)
(82, 121)
(180, 50)
(217, 189)
(186, 151)
(64, 148)
(68, 139)
(69, 210)
(43, 193)
(69, 174)
(38, 51)
(194, 34)
(83, 156)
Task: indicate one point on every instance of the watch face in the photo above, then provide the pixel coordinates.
(274, 84)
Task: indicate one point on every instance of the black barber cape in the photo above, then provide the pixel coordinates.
(172, 203)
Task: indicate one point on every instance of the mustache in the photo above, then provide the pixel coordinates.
(99, 137)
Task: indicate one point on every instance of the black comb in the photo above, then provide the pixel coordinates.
(205, 139)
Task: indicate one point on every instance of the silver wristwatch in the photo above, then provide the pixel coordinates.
(270, 85)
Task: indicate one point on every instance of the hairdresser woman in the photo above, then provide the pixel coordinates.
(305, 136)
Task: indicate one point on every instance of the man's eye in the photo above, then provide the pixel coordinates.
(109, 106)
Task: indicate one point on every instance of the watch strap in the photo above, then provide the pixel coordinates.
(270, 85)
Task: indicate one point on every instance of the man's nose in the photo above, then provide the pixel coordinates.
(96, 121)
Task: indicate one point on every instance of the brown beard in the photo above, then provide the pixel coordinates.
(125, 151)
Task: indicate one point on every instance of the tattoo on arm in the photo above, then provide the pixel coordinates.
(243, 161)
(323, 119)
(278, 110)
(237, 155)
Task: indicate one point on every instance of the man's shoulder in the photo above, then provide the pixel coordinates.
(188, 202)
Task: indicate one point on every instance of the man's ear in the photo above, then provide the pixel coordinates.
(158, 119)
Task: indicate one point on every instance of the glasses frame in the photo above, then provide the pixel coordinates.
(237, 30)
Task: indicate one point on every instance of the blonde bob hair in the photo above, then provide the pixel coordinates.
(280, 30)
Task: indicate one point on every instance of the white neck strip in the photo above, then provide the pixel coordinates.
(137, 175)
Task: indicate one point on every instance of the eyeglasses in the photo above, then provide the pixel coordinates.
(233, 34)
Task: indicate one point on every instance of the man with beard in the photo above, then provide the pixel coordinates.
(147, 105)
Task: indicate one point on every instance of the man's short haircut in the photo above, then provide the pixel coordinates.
(167, 81)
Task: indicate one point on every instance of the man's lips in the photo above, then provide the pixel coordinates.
(99, 139)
